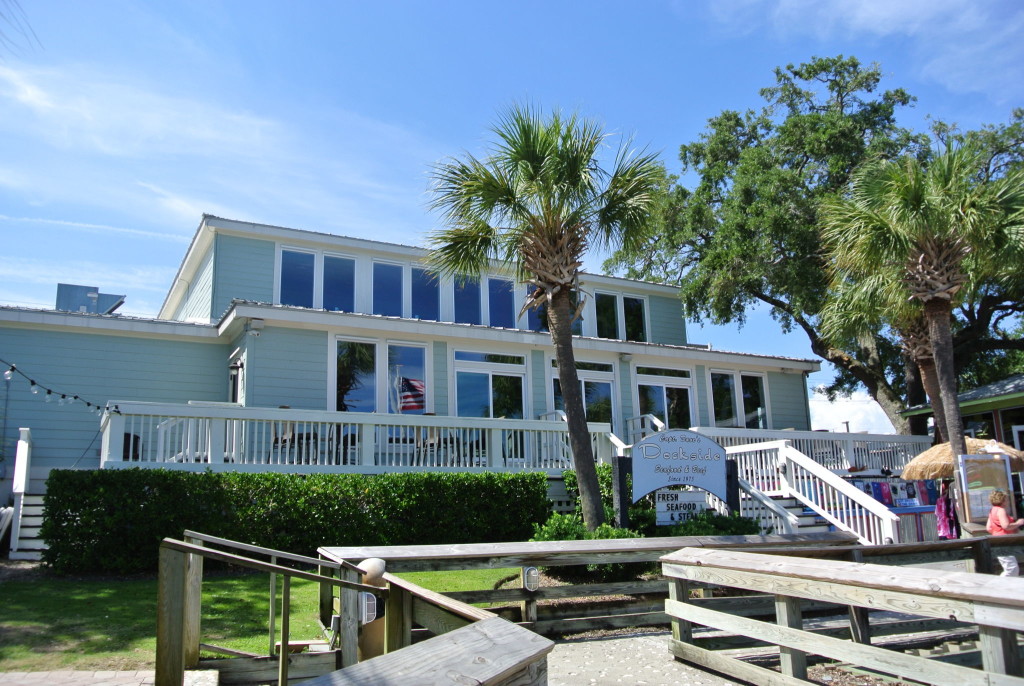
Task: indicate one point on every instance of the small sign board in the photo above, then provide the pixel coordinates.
(675, 507)
(678, 458)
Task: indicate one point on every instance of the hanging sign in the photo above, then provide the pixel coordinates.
(678, 458)
(675, 507)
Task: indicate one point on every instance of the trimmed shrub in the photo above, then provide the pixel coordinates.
(570, 527)
(113, 520)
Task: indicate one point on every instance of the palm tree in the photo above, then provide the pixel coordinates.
(932, 229)
(536, 202)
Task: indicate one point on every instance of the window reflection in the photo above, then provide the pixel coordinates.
(356, 382)
(467, 301)
(426, 295)
(339, 284)
(297, 278)
(387, 289)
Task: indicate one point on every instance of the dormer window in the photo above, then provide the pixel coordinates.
(297, 276)
(621, 317)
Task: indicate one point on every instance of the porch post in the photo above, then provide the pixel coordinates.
(112, 447)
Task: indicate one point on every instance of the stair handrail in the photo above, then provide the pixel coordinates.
(870, 520)
(642, 426)
(22, 461)
(787, 521)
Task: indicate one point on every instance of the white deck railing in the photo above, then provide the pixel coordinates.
(835, 451)
(227, 436)
(779, 468)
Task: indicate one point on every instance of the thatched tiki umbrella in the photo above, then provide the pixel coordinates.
(937, 461)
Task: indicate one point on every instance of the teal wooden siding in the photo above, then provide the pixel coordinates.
(195, 305)
(98, 368)
(538, 383)
(244, 269)
(788, 394)
(700, 387)
(287, 367)
(626, 385)
(440, 353)
(667, 323)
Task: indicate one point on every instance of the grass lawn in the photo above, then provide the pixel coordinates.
(49, 622)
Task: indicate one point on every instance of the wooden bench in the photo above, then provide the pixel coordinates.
(491, 651)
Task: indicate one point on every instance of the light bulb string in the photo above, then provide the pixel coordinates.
(62, 398)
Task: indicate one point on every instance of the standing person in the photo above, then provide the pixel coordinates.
(999, 524)
(946, 521)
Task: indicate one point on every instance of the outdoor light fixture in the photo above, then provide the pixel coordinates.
(531, 578)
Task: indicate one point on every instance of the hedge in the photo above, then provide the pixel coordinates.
(113, 520)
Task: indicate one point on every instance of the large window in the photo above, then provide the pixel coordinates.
(595, 384)
(356, 377)
(372, 376)
(297, 274)
(739, 400)
(467, 302)
(620, 317)
(387, 289)
(339, 293)
(501, 303)
(665, 394)
(407, 379)
(426, 295)
(489, 384)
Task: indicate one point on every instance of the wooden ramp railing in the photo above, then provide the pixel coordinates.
(472, 644)
(995, 604)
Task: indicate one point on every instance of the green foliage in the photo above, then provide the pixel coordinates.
(113, 520)
(710, 523)
(642, 515)
(570, 527)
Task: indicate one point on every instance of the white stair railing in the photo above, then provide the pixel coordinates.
(22, 465)
(827, 495)
(639, 428)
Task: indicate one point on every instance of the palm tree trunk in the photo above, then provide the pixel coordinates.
(560, 314)
(930, 381)
(937, 312)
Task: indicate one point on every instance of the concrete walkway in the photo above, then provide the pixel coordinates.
(636, 659)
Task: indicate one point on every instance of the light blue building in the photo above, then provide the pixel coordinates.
(280, 349)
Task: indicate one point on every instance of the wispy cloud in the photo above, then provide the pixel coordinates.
(96, 228)
(26, 270)
(968, 47)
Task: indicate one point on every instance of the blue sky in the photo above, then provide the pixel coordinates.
(126, 121)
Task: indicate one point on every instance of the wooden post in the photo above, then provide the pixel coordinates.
(981, 548)
(732, 486)
(215, 440)
(860, 623)
(787, 613)
(682, 630)
(999, 650)
(170, 619)
(193, 606)
(349, 619)
(273, 608)
(285, 653)
(326, 597)
(528, 606)
(622, 467)
(397, 619)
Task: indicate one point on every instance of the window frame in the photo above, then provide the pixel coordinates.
(667, 381)
(737, 396)
(584, 376)
(490, 369)
(318, 275)
(620, 315)
(381, 372)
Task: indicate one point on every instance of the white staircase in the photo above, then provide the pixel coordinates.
(28, 518)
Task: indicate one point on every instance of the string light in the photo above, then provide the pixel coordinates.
(62, 398)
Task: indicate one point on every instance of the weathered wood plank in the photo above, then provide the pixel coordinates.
(575, 626)
(956, 585)
(554, 553)
(999, 651)
(436, 619)
(265, 669)
(440, 600)
(787, 613)
(871, 657)
(727, 665)
(828, 591)
(397, 620)
(486, 652)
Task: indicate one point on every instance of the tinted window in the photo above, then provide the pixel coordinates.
(501, 302)
(754, 410)
(633, 311)
(407, 379)
(493, 358)
(467, 302)
(723, 398)
(607, 316)
(387, 289)
(357, 388)
(426, 299)
(297, 278)
(339, 284)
